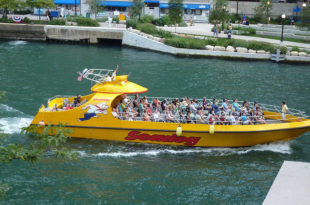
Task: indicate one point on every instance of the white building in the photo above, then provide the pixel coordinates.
(198, 9)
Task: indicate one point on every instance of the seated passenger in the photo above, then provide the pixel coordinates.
(114, 113)
(235, 105)
(156, 115)
(259, 116)
(223, 118)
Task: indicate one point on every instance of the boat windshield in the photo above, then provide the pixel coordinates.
(200, 111)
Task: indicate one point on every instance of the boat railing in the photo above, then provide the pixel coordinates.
(59, 96)
(96, 75)
(265, 119)
(264, 107)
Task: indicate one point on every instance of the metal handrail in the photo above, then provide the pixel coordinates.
(265, 107)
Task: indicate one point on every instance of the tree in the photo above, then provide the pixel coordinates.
(136, 8)
(94, 6)
(262, 12)
(42, 144)
(176, 10)
(305, 18)
(10, 5)
(219, 13)
(40, 4)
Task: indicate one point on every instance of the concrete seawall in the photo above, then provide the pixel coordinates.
(128, 37)
(22, 32)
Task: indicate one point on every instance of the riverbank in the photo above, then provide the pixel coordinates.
(129, 37)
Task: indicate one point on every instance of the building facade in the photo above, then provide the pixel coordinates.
(197, 9)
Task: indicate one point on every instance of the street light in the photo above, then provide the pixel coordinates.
(304, 5)
(268, 2)
(283, 17)
(224, 8)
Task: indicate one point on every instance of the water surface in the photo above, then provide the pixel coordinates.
(127, 173)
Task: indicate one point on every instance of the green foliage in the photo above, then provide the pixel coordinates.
(165, 20)
(219, 13)
(102, 19)
(6, 20)
(131, 23)
(147, 28)
(11, 5)
(41, 3)
(26, 20)
(176, 10)
(163, 34)
(45, 141)
(262, 12)
(57, 22)
(245, 30)
(295, 48)
(182, 24)
(239, 43)
(181, 42)
(3, 189)
(283, 49)
(256, 45)
(211, 41)
(94, 6)
(224, 42)
(115, 19)
(147, 19)
(136, 8)
(82, 21)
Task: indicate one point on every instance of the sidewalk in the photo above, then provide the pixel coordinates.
(204, 29)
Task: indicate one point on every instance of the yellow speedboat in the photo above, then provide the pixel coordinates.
(95, 116)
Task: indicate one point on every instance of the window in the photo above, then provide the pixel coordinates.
(197, 12)
(164, 11)
(188, 11)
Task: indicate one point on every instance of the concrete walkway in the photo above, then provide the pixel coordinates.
(291, 186)
(204, 29)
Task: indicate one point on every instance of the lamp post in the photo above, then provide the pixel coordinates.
(224, 8)
(74, 7)
(283, 17)
(268, 2)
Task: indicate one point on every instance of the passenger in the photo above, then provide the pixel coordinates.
(149, 110)
(259, 116)
(145, 100)
(215, 108)
(236, 105)
(55, 107)
(114, 113)
(169, 115)
(193, 107)
(141, 107)
(146, 117)
(223, 120)
(68, 107)
(284, 110)
(244, 120)
(188, 117)
(113, 77)
(156, 115)
(136, 102)
(180, 117)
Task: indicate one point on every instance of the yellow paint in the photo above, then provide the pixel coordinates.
(105, 127)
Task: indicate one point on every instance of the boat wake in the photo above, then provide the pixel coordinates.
(17, 43)
(277, 147)
(13, 121)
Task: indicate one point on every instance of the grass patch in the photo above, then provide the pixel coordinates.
(279, 38)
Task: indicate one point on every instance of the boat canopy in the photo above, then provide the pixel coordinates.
(107, 82)
(119, 85)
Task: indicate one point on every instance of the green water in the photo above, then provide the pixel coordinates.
(126, 173)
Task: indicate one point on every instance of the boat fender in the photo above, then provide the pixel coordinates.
(211, 129)
(179, 131)
(42, 123)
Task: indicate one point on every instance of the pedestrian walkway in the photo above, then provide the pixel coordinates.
(205, 29)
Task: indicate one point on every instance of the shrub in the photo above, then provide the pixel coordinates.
(102, 19)
(239, 43)
(210, 41)
(183, 24)
(224, 42)
(26, 20)
(164, 34)
(147, 19)
(165, 20)
(81, 21)
(245, 30)
(57, 22)
(283, 49)
(6, 20)
(181, 42)
(255, 45)
(115, 19)
(131, 23)
(295, 48)
(147, 28)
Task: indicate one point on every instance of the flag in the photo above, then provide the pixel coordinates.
(80, 78)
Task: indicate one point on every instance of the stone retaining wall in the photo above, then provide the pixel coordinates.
(22, 31)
